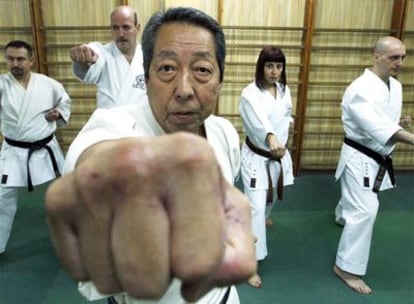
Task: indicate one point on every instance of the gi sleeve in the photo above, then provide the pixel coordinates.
(372, 119)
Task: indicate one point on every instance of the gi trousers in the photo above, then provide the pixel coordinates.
(357, 210)
(260, 211)
(8, 207)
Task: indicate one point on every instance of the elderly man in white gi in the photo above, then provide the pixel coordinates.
(146, 211)
(116, 67)
(371, 112)
(31, 107)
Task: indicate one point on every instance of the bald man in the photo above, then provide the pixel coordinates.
(116, 67)
(371, 115)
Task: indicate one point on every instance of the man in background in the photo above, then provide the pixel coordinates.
(32, 105)
(116, 67)
(371, 113)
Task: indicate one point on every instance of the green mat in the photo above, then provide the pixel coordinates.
(302, 245)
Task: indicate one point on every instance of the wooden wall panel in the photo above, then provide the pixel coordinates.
(211, 7)
(77, 13)
(404, 154)
(342, 35)
(341, 49)
(15, 13)
(249, 26)
(15, 23)
(354, 14)
(145, 9)
(263, 13)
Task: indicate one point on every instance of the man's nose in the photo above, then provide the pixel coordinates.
(185, 87)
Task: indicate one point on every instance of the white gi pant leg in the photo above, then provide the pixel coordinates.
(269, 206)
(259, 209)
(8, 206)
(358, 207)
(275, 172)
(339, 219)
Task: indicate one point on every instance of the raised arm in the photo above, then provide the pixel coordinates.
(82, 57)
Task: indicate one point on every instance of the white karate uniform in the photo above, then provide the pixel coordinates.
(262, 114)
(117, 81)
(371, 114)
(22, 115)
(136, 121)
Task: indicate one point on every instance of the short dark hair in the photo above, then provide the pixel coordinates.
(274, 54)
(17, 44)
(182, 15)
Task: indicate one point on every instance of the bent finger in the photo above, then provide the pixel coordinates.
(239, 261)
(195, 203)
(94, 225)
(59, 212)
(141, 246)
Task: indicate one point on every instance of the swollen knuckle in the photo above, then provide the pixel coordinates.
(132, 160)
(194, 151)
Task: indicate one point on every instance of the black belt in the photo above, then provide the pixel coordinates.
(33, 146)
(385, 163)
(112, 300)
(226, 296)
(267, 154)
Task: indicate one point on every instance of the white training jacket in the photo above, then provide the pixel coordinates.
(22, 118)
(371, 114)
(138, 120)
(118, 82)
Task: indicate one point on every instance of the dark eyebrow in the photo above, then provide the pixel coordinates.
(126, 25)
(15, 57)
(203, 54)
(166, 53)
(171, 53)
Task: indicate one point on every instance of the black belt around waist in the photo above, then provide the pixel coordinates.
(33, 146)
(111, 300)
(267, 154)
(385, 163)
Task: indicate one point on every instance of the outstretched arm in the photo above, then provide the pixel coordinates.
(136, 212)
(403, 136)
(82, 57)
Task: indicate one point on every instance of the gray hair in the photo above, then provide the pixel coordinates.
(182, 15)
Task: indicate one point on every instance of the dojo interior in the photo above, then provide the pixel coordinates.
(327, 44)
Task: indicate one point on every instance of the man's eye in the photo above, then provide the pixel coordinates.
(166, 69)
(203, 70)
(395, 58)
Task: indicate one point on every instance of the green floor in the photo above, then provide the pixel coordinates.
(302, 245)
